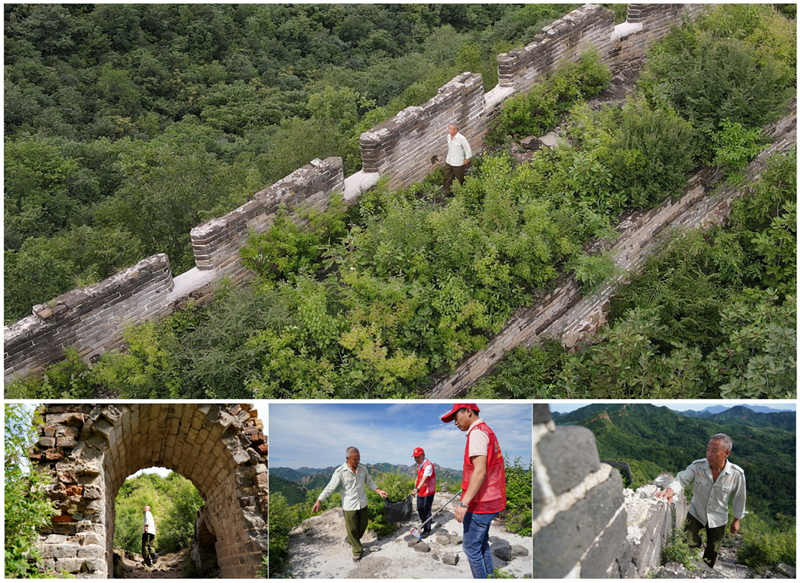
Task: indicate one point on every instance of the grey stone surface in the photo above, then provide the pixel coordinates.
(541, 413)
(559, 546)
(520, 551)
(450, 558)
(568, 454)
(422, 547)
(600, 562)
(503, 551)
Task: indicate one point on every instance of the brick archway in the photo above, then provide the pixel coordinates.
(90, 450)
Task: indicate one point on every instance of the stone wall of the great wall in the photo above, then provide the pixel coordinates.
(403, 150)
(90, 450)
(584, 523)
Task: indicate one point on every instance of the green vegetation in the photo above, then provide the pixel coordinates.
(538, 111)
(284, 516)
(174, 502)
(711, 315)
(381, 299)
(27, 508)
(768, 541)
(678, 550)
(127, 125)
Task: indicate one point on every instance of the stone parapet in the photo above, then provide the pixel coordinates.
(90, 450)
(216, 243)
(563, 41)
(579, 517)
(89, 319)
(413, 143)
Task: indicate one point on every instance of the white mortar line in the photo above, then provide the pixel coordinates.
(566, 500)
(605, 528)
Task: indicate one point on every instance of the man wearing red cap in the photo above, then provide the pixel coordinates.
(483, 486)
(424, 488)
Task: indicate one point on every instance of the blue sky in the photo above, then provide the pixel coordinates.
(564, 407)
(316, 435)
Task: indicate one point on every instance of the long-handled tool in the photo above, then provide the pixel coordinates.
(416, 530)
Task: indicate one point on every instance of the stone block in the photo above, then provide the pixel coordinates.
(519, 551)
(443, 539)
(569, 454)
(600, 559)
(422, 547)
(503, 552)
(94, 551)
(450, 558)
(558, 546)
(89, 538)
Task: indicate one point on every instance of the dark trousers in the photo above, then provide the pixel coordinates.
(714, 536)
(147, 547)
(453, 172)
(355, 523)
(424, 506)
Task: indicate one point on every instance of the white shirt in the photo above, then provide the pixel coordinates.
(710, 500)
(478, 441)
(354, 494)
(458, 150)
(149, 523)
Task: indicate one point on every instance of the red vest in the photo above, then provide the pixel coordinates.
(429, 487)
(491, 496)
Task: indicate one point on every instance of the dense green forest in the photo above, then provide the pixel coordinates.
(173, 501)
(127, 125)
(381, 299)
(653, 440)
(291, 502)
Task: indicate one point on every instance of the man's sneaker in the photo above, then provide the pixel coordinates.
(356, 558)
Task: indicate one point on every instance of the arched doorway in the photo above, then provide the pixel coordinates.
(90, 450)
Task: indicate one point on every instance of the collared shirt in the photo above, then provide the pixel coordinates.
(458, 150)
(479, 442)
(354, 494)
(710, 500)
(149, 523)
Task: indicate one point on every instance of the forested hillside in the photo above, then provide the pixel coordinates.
(383, 298)
(127, 125)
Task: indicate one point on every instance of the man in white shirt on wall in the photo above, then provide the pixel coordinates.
(352, 477)
(716, 482)
(458, 157)
(148, 535)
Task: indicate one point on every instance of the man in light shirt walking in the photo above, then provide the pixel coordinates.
(352, 477)
(148, 535)
(458, 156)
(716, 482)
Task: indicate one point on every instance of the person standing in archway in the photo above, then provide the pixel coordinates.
(424, 488)
(483, 486)
(458, 157)
(148, 536)
(353, 478)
